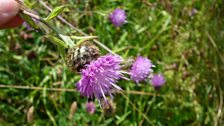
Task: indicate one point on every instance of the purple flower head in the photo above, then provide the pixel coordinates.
(90, 107)
(141, 69)
(100, 76)
(158, 80)
(118, 17)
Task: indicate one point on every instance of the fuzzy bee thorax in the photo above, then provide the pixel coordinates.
(78, 56)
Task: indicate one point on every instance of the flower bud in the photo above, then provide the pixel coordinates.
(109, 107)
(30, 114)
(90, 107)
(73, 109)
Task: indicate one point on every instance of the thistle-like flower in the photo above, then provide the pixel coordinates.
(118, 17)
(99, 77)
(141, 69)
(90, 107)
(158, 80)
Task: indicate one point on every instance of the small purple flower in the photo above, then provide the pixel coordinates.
(99, 77)
(27, 26)
(158, 80)
(118, 17)
(141, 69)
(90, 107)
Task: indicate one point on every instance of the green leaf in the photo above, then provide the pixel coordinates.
(51, 117)
(46, 78)
(56, 41)
(29, 21)
(61, 51)
(122, 118)
(67, 40)
(54, 13)
(83, 39)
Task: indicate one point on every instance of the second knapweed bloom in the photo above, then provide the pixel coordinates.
(158, 80)
(99, 77)
(141, 69)
(118, 17)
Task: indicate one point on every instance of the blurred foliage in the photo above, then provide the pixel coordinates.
(184, 39)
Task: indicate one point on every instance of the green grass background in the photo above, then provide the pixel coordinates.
(186, 47)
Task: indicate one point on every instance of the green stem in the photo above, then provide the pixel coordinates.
(42, 21)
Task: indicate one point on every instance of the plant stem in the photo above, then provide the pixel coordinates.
(73, 90)
(78, 30)
(41, 20)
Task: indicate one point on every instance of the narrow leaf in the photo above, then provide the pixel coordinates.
(83, 37)
(122, 118)
(29, 21)
(51, 117)
(61, 51)
(67, 40)
(56, 41)
(54, 13)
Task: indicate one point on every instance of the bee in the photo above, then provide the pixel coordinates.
(80, 55)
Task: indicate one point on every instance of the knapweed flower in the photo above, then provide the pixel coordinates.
(90, 107)
(158, 80)
(99, 77)
(118, 17)
(141, 69)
